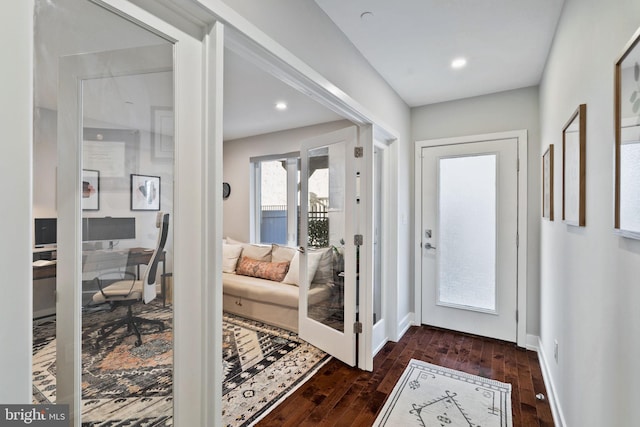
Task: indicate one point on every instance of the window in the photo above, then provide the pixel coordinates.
(276, 198)
(276, 216)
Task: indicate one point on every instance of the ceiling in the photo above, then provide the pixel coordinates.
(412, 43)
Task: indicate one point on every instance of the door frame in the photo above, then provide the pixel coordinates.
(192, 370)
(521, 137)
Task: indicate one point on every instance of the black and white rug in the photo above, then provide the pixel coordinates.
(263, 364)
(430, 395)
(127, 385)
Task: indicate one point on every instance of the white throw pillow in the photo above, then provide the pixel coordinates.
(230, 255)
(293, 275)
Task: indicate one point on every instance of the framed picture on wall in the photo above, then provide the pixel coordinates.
(90, 190)
(627, 144)
(145, 193)
(574, 168)
(547, 184)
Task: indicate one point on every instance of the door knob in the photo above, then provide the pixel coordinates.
(429, 246)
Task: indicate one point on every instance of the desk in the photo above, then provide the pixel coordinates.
(136, 257)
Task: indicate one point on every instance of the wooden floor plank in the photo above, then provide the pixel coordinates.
(338, 395)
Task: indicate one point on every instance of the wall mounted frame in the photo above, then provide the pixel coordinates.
(145, 192)
(627, 142)
(547, 184)
(574, 168)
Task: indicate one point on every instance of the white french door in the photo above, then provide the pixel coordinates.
(469, 254)
(327, 314)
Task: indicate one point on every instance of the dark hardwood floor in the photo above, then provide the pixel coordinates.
(342, 396)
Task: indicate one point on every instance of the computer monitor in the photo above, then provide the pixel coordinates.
(108, 229)
(45, 231)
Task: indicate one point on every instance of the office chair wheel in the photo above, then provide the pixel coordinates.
(138, 343)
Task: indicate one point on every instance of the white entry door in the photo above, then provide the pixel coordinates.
(327, 313)
(469, 237)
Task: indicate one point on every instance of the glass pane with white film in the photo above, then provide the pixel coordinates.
(467, 232)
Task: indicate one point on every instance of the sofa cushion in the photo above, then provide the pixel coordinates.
(270, 292)
(282, 253)
(230, 255)
(275, 271)
(251, 250)
(324, 272)
(293, 275)
(265, 291)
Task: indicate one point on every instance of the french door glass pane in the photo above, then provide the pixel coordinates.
(326, 188)
(467, 232)
(126, 141)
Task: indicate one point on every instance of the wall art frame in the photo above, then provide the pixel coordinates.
(574, 168)
(627, 140)
(145, 192)
(547, 184)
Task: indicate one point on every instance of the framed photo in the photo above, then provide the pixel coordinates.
(627, 143)
(574, 168)
(162, 125)
(90, 190)
(547, 184)
(145, 193)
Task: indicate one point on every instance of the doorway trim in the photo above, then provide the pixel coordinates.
(521, 136)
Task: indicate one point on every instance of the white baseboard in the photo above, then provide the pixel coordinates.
(556, 410)
(404, 325)
(532, 343)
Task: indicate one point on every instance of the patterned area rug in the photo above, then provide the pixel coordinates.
(127, 385)
(262, 365)
(121, 384)
(429, 395)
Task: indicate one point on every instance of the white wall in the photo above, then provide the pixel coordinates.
(16, 86)
(236, 155)
(589, 276)
(504, 111)
(305, 30)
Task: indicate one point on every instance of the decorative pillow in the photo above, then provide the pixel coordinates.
(275, 271)
(282, 253)
(230, 255)
(250, 250)
(324, 273)
(293, 276)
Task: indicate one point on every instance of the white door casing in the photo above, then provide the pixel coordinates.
(188, 86)
(510, 260)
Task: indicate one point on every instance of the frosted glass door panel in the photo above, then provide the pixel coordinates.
(467, 230)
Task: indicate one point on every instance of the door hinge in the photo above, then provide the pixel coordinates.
(358, 240)
(518, 165)
(517, 316)
(357, 328)
(517, 240)
(358, 152)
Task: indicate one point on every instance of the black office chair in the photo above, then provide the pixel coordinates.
(131, 291)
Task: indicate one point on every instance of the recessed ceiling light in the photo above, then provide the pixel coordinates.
(366, 16)
(458, 63)
(281, 106)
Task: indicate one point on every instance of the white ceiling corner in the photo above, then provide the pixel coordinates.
(411, 43)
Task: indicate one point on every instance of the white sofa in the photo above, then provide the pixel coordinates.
(271, 301)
